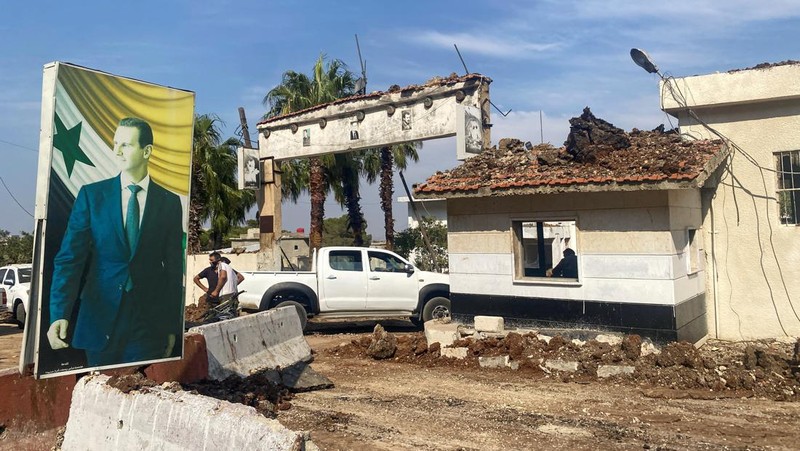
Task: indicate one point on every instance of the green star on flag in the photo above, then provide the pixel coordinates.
(68, 142)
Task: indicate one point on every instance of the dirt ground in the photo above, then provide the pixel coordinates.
(407, 404)
(416, 400)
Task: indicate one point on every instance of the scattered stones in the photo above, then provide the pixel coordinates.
(648, 348)
(501, 361)
(455, 353)
(613, 340)
(493, 324)
(444, 334)
(604, 371)
(632, 346)
(562, 365)
(383, 344)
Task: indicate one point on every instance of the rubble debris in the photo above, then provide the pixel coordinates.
(589, 136)
(383, 345)
(596, 152)
(127, 383)
(766, 66)
(762, 368)
(259, 390)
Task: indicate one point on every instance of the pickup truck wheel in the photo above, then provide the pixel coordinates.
(301, 311)
(436, 308)
(19, 314)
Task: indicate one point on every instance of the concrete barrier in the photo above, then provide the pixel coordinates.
(265, 340)
(103, 418)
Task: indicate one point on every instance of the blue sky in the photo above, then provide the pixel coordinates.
(554, 56)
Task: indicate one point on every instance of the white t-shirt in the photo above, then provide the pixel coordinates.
(231, 285)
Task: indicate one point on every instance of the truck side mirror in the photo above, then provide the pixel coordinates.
(409, 269)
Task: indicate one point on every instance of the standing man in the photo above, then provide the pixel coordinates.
(210, 274)
(121, 263)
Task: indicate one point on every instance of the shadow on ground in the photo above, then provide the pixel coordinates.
(358, 325)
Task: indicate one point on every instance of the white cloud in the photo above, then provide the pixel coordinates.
(483, 44)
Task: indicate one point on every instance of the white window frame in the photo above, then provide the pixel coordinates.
(780, 188)
(517, 251)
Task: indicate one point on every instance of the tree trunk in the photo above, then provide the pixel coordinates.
(352, 200)
(316, 189)
(386, 193)
(195, 227)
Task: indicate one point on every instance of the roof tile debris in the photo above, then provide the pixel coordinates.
(767, 66)
(452, 79)
(595, 153)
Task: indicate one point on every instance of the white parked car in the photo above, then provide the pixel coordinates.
(15, 288)
(347, 282)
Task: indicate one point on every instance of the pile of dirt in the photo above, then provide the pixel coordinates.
(127, 383)
(763, 368)
(258, 390)
(194, 313)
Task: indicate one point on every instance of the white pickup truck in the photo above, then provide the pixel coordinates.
(351, 282)
(15, 287)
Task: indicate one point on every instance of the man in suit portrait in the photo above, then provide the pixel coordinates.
(120, 264)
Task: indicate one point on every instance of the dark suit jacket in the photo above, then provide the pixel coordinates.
(94, 263)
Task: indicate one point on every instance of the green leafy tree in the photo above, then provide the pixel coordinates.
(381, 163)
(328, 82)
(215, 195)
(15, 248)
(339, 233)
(409, 243)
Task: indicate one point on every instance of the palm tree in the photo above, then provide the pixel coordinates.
(297, 91)
(382, 163)
(215, 196)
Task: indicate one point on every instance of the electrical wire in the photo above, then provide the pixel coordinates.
(15, 199)
(19, 145)
(671, 84)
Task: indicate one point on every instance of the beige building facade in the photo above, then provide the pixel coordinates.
(749, 209)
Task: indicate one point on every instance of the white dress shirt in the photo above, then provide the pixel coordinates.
(141, 196)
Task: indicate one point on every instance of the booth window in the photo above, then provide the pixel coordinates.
(540, 245)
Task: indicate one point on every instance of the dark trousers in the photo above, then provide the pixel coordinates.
(131, 339)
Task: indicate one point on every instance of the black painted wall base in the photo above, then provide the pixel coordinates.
(661, 323)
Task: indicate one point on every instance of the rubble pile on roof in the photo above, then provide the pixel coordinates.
(595, 153)
(767, 66)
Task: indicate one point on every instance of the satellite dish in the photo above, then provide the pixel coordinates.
(642, 59)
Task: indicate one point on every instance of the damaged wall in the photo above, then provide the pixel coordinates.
(630, 248)
(751, 257)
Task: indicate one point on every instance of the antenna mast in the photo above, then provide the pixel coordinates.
(361, 83)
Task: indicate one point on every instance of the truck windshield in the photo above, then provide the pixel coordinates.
(25, 275)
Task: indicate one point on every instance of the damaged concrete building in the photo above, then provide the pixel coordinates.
(628, 204)
(678, 237)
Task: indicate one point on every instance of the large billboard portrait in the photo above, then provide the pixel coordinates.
(112, 207)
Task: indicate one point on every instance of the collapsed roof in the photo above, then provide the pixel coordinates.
(596, 157)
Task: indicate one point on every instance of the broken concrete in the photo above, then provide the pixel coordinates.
(501, 361)
(454, 353)
(614, 370)
(444, 334)
(252, 343)
(102, 417)
(492, 324)
(562, 365)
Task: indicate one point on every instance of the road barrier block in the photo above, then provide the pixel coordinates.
(102, 417)
(245, 345)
